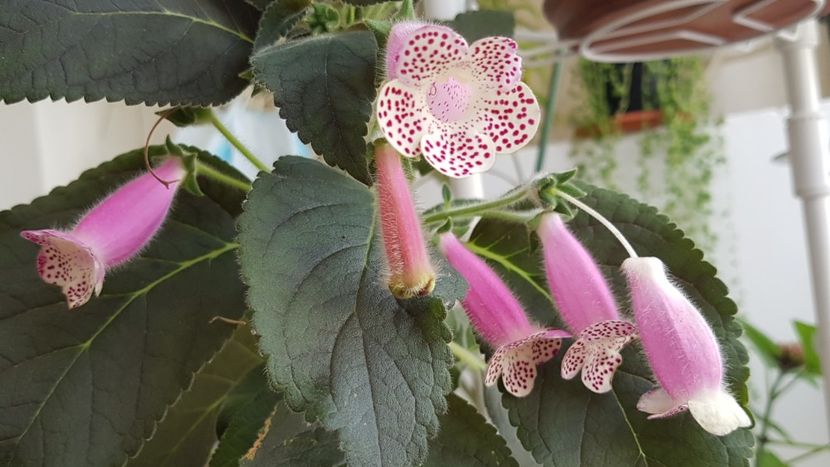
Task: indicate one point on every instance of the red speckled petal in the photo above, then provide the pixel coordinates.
(512, 118)
(609, 329)
(495, 367)
(495, 62)
(458, 154)
(599, 369)
(429, 52)
(574, 359)
(520, 371)
(402, 117)
(68, 263)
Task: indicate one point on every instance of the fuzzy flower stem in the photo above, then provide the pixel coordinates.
(214, 120)
(602, 220)
(468, 358)
(477, 209)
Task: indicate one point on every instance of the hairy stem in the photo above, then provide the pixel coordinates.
(478, 209)
(237, 144)
(212, 173)
(468, 358)
(602, 220)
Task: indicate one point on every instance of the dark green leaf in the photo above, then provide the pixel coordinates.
(279, 18)
(312, 448)
(86, 387)
(501, 419)
(260, 5)
(806, 335)
(339, 345)
(187, 435)
(766, 347)
(186, 116)
(327, 100)
(467, 440)
(187, 52)
(474, 25)
(247, 410)
(364, 2)
(561, 422)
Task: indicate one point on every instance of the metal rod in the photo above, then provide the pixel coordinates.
(809, 141)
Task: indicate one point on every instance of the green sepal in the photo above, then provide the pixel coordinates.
(572, 190)
(186, 116)
(446, 195)
(445, 227)
(380, 28)
(190, 161)
(406, 11)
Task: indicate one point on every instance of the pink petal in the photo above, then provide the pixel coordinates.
(494, 311)
(458, 154)
(402, 117)
(410, 269)
(397, 39)
(599, 369)
(574, 359)
(581, 293)
(496, 62)
(67, 262)
(678, 342)
(429, 53)
(125, 221)
(512, 118)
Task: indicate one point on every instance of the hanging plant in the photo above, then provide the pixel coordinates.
(666, 102)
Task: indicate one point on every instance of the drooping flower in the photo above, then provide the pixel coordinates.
(586, 304)
(410, 270)
(457, 104)
(108, 235)
(499, 319)
(682, 350)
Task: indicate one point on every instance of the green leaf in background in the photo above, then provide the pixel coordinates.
(246, 416)
(467, 440)
(339, 346)
(768, 459)
(260, 5)
(474, 25)
(278, 20)
(766, 347)
(312, 448)
(328, 100)
(187, 435)
(564, 424)
(86, 387)
(142, 51)
(806, 335)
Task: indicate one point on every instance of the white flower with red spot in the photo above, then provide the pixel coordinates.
(456, 104)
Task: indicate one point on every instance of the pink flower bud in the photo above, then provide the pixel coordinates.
(587, 305)
(499, 319)
(682, 350)
(410, 270)
(108, 235)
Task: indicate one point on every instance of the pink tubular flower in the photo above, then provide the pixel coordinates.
(457, 104)
(410, 270)
(108, 235)
(587, 305)
(500, 320)
(682, 350)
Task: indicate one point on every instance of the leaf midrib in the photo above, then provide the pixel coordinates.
(86, 345)
(239, 34)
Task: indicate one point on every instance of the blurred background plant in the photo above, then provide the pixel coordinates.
(786, 365)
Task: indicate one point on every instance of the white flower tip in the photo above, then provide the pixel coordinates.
(719, 413)
(644, 268)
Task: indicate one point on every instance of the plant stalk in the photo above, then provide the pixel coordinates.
(212, 173)
(467, 357)
(477, 209)
(236, 143)
(602, 220)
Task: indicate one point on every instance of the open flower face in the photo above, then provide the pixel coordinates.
(456, 104)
